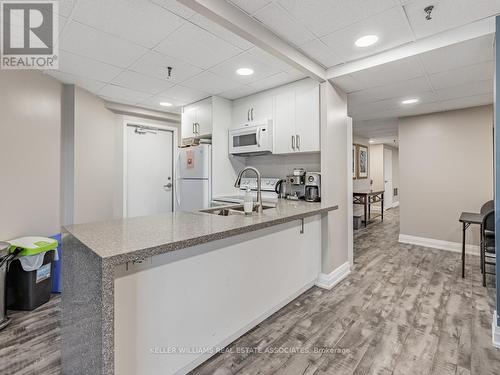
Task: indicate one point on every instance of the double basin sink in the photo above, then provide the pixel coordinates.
(236, 209)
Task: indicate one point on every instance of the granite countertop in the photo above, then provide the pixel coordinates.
(124, 240)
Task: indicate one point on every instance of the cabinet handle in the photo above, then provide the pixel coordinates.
(298, 142)
(252, 113)
(248, 114)
(197, 128)
(194, 128)
(293, 142)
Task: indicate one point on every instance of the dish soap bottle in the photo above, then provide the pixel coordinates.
(248, 202)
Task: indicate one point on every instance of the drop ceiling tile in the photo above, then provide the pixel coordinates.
(277, 19)
(391, 104)
(238, 92)
(196, 46)
(471, 52)
(121, 94)
(175, 7)
(139, 21)
(275, 80)
(469, 89)
(140, 82)
(85, 83)
(347, 83)
(270, 60)
(228, 69)
(405, 89)
(396, 71)
(470, 101)
(183, 95)
(448, 14)
(326, 16)
(89, 42)
(86, 68)
(391, 27)
(154, 64)
(220, 32)
(250, 6)
(322, 53)
(472, 73)
(211, 83)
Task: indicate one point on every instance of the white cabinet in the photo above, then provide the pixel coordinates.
(254, 108)
(296, 118)
(197, 119)
(307, 123)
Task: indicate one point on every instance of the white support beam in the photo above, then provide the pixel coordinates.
(240, 23)
(461, 34)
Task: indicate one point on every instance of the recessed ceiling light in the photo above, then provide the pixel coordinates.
(410, 101)
(166, 104)
(244, 71)
(371, 141)
(366, 41)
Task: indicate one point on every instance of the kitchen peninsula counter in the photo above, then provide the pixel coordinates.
(104, 257)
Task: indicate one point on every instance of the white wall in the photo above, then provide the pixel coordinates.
(224, 168)
(446, 167)
(30, 151)
(336, 146)
(282, 165)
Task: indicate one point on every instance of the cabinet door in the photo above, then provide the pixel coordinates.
(188, 118)
(261, 107)
(204, 117)
(240, 113)
(307, 125)
(284, 123)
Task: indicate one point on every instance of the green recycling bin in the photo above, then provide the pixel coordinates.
(29, 275)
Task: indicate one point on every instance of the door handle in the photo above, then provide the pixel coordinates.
(168, 186)
(293, 142)
(298, 141)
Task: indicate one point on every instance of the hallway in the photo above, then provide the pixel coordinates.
(403, 310)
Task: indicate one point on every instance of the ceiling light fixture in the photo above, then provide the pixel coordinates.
(166, 104)
(410, 101)
(366, 41)
(244, 71)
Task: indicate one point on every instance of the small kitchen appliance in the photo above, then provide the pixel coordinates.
(252, 139)
(313, 187)
(295, 184)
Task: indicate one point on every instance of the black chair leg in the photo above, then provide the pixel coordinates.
(484, 269)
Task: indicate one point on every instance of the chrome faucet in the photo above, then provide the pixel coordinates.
(237, 184)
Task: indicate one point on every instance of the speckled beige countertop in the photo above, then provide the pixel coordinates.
(124, 240)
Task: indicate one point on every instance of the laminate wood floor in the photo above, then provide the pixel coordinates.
(403, 310)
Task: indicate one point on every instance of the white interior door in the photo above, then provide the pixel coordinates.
(149, 168)
(387, 179)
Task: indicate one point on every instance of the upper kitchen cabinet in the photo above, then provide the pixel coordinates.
(253, 108)
(297, 118)
(197, 119)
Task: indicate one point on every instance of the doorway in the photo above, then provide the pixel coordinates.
(388, 192)
(148, 180)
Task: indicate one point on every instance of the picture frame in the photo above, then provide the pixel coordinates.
(354, 161)
(362, 162)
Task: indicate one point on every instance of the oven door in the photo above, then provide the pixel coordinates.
(251, 140)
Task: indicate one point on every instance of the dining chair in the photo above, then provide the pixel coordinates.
(485, 208)
(487, 243)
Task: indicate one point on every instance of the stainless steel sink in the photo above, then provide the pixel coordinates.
(236, 209)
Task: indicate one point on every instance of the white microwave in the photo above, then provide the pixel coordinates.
(252, 139)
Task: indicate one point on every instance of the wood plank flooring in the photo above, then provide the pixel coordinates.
(403, 310)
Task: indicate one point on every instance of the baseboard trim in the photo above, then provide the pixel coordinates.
(495, 331)
(328, 281)
(438, 244)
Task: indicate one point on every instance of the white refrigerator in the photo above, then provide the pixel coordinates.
(193, 182)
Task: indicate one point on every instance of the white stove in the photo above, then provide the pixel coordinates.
(267, 184)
